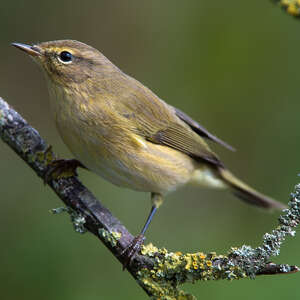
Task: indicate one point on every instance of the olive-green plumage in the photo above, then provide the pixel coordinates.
(121, 130)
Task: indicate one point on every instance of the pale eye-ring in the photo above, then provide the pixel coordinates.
(65, 57)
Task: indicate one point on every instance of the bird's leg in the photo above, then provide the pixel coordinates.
(134, 247)
(59, 167)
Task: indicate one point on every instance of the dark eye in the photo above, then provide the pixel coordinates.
(65, 56)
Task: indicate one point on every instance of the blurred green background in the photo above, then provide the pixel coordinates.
(232, 65)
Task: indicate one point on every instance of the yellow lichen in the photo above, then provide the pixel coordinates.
(111, 238)
(116, 235)
(188, 263)
(292, 7)
(45, 157)
(209, 263)
(172, 269)
(149, 249)
(293, 10)
(202, 255)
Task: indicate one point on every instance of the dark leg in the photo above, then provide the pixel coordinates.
(58, 167)
(149, 219)
(134, 247)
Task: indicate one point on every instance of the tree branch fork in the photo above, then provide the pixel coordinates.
(158, 271)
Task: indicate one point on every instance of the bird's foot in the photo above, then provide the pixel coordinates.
(62, 168)
(131, 250)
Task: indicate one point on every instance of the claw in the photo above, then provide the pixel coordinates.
(131, 250)
(60, 166)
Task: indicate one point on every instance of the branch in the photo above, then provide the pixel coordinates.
(157, 271)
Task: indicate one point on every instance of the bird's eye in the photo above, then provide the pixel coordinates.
(65, 57)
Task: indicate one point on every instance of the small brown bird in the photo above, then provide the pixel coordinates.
(122, 131)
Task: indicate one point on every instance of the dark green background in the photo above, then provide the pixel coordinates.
(233, 65)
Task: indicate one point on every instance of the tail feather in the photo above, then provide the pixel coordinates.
(246, 193)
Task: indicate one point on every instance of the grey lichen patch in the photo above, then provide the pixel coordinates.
(2, 119)
(4, 115)
(111, 238)
(59, 210)
(250, 260)
(77, 219)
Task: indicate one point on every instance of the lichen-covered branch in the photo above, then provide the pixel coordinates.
(292, 7)
(85, 210)
(158, 271)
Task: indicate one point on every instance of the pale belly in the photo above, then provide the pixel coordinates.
(145, 167)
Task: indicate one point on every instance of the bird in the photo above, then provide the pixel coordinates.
(119, 129)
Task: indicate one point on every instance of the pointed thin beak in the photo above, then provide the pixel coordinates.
(31, 50)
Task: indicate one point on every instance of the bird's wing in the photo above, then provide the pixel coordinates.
(156, 122)
(199, 129)
(182, 138)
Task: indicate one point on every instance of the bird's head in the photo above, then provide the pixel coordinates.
(69, 62)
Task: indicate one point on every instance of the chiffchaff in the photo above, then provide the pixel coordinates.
(119, 129)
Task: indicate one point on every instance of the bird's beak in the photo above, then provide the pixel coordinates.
(31, 50)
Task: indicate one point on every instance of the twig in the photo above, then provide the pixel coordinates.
(157, 271)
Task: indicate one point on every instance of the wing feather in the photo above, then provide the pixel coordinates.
(154, 120)
(199, 129)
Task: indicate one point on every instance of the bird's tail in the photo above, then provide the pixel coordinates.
(246, 193)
